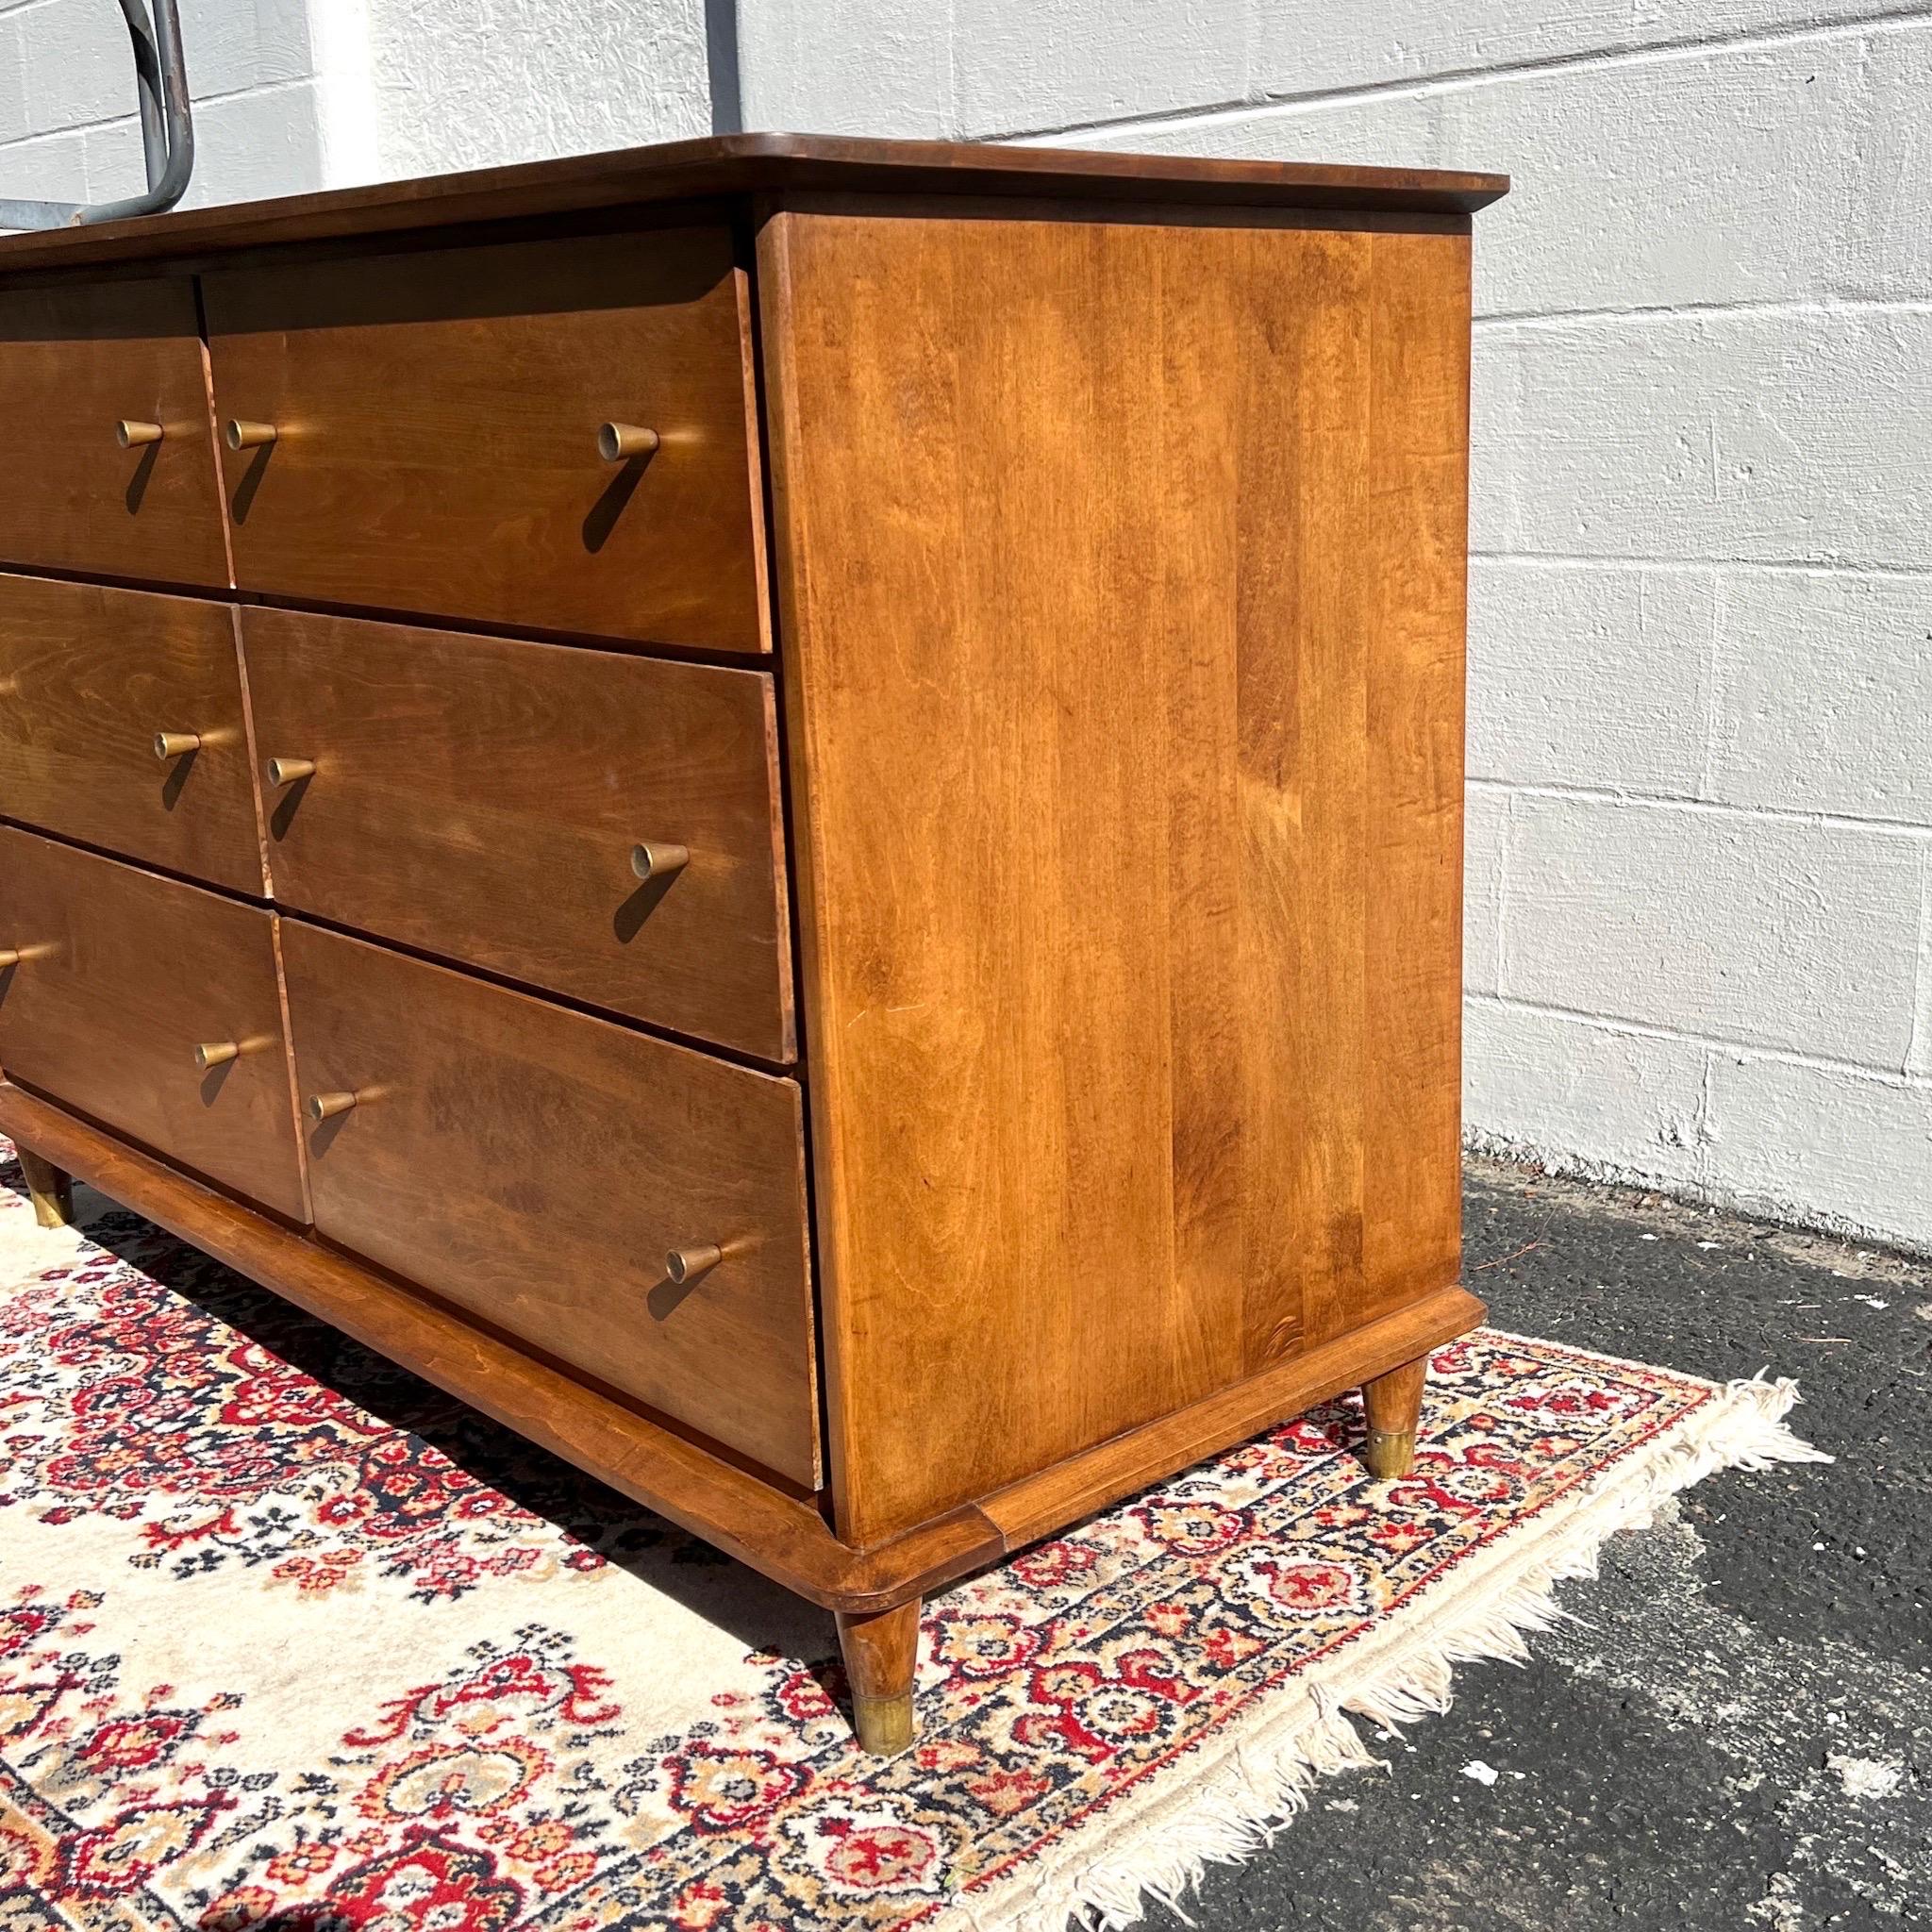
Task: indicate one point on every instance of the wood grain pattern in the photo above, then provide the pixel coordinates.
(1392, 1405)
(480, 798)
(437, 420)
(881, 1655)
(122, 975)
(88, 678)
(76, 359)
(782, 1536)
(534, 1166)
(759, 164)
(1049, 1499)
(1082, 670)
(1417, 576)
(777, 1534)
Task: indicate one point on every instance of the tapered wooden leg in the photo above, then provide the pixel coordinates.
(881, 1655)
(1395, 1403)
(52, 1191)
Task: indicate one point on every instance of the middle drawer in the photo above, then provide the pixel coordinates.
(498, 801)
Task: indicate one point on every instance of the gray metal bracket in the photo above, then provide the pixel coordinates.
(167, 130)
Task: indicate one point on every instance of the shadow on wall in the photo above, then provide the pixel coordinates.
(721, 59)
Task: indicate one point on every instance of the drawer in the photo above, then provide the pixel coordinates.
(75, 361)
(89, 680)
(483, 798)
(535, 1167)
(120, 977)
(435, 421)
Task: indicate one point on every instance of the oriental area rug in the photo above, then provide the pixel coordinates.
(289, 1641)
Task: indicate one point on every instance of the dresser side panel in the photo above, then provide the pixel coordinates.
(1086, 650)
(1417, 561)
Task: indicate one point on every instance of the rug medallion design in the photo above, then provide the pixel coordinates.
(289, 1641)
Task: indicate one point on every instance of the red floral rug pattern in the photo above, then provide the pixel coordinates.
(289, 1641)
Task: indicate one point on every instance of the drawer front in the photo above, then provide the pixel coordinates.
(91, 680)
(535, 1167)
(120, 977)
(75, 362)
(435, 421)
(484, 799)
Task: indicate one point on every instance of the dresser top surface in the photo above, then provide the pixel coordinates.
(751, 165)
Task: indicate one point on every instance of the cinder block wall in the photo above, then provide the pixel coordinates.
(1700, 885)
(296, 94)
(68, 130)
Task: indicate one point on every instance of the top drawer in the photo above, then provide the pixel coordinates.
(76, 362)
(435, 421)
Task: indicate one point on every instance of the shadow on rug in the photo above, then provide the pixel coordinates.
(289, 1639)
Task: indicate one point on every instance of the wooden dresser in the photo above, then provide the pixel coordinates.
(791, 810)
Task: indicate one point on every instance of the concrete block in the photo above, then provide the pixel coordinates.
(533, 78)
(1485, 827)
(1402, 130)
(1578, 1094)
(1808, 1143)
(233, 45)
(116, 163)
(48, 167)
(1721, 176)
(1727, 177)
(263, 142)
(847, 67)
(1299, 47)
(1919, 1057)
(1825, 694)
(1772, 932)
(1760, 436)
(79, 67)
(1891, 248)
(13, 121)
(1593, 675)
(1057, 63)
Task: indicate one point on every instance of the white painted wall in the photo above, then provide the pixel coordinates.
(473, 83)
(297, 94)
(68, 130)
(1700, 889)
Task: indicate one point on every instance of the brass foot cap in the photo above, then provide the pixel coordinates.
(1390, 1453)
(884, 1723)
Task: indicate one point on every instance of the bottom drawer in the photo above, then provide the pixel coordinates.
(535, 1166)
(121, 977)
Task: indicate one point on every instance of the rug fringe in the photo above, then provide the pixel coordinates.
(1225, 1814)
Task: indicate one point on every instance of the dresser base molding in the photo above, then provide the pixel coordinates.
(876, 1591)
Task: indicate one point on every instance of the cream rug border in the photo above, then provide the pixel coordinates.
(1227, 1798)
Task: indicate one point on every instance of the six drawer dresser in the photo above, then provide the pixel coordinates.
(788, 810)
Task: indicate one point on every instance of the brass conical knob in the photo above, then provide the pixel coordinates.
(617, 442)
(687, 1265)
